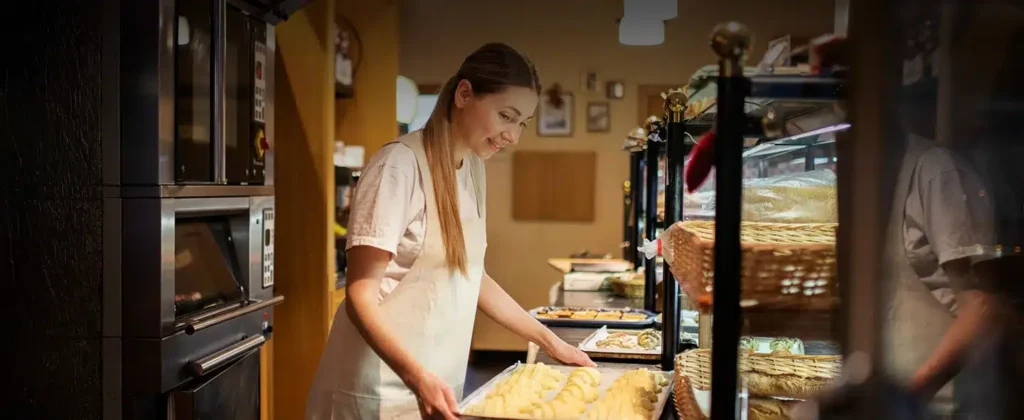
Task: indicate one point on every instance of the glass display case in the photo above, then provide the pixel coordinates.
(880, 288)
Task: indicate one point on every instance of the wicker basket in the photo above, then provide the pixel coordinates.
(810, 374)
(784, 264)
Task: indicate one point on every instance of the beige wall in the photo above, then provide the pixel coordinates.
(565, 38)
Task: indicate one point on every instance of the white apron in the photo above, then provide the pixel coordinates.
(431, 311)
(917, 320)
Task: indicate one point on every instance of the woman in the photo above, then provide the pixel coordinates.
(416, 241)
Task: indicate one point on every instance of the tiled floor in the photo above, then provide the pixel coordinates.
(484, 365)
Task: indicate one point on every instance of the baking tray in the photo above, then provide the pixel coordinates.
(608, 375)
(589, 346)
(594, 323)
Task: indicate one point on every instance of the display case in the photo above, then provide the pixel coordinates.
(928, 166)
(775, 136)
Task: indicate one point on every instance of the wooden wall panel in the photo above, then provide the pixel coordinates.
(554, 186)
(305, 203)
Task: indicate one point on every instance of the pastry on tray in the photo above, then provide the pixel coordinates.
(649, 339)
(619, 340)
(634, 316)
(563, 312)
(583, 315)
(609, 316)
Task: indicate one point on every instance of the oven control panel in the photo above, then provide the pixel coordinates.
(268, 248)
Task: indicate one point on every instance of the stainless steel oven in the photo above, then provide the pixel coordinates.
(189, 206)
(229, 393)
(221, 71)
(197, 76)
(197, 297)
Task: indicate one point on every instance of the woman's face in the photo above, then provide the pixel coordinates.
(489, 123)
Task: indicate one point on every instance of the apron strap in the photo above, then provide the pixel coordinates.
(476, 170)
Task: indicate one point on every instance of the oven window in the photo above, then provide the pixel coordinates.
(238, 103)
(206, 269)
(193, 103)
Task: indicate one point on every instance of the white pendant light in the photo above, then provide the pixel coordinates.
(637, 30)
(651, 9)
(407, 95)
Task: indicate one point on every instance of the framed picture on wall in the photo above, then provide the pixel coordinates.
(598, 117)
(554, 115)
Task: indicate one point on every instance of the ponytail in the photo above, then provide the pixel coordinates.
(440, 153)
(490, 69)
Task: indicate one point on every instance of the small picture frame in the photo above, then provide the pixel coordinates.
(590, 82)
(599, 119)
(555, 120)
(616, 89)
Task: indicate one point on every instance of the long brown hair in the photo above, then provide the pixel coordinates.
(490, 69)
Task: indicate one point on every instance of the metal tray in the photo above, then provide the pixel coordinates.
(589, 346)
(608, 375)
(594, 323)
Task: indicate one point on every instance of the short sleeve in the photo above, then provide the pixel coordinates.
(380, 211)
(957, 214)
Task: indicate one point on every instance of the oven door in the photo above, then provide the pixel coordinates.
(223, 94)
(193, 259)
(226, 386)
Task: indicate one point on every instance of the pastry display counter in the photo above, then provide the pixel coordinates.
(758, 239)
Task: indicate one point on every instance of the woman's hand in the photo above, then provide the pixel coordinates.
(437, 401)
(566, 353)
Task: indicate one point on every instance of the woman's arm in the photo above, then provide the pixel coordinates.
(366, 267)
(499, 306)
(976, 319)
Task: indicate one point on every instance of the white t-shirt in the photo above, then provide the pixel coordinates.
(948, 214)
(389, 210)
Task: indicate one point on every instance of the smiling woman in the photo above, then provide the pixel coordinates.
(416, 244)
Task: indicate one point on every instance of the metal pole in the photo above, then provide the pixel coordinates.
(651, 226)
(636, 163)
(676, 149)
(731, 42)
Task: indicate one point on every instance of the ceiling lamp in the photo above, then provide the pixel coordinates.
(651, 9)
(407, 95)
(639, 30)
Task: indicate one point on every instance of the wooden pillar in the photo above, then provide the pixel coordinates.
(304, 176)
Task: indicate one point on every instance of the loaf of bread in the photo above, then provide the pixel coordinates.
(788, 386)
(769, 409)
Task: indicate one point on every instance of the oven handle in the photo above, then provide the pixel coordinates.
(210, 363)
(195, 325)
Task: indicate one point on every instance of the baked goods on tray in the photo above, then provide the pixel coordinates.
(648, 339)
(519, 392)
(522, 394)
(631, 396)
(590, 314)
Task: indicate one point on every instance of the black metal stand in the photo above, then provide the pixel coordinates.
(730, 41)
(676, 149)
(651, 223)
(632, 228)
